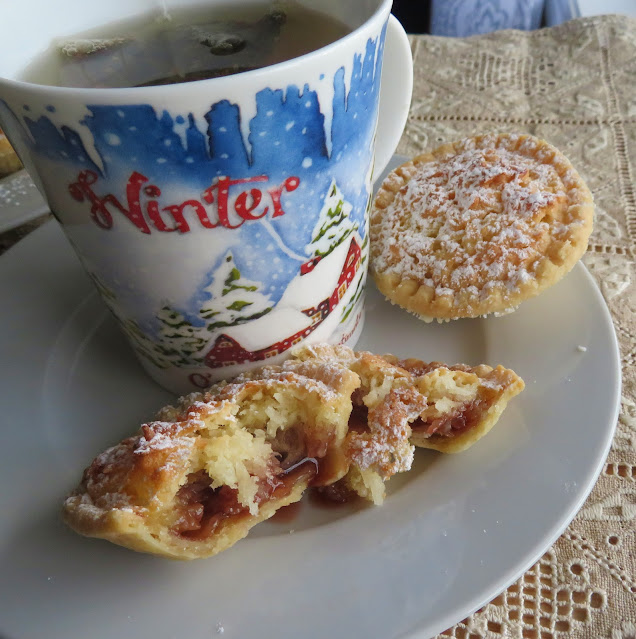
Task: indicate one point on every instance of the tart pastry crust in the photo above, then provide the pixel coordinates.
(463, 402)
(387, 400)
(478, 226)
(198, 478)
(432, 405)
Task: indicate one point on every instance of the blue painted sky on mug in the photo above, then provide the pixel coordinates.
(286, 137)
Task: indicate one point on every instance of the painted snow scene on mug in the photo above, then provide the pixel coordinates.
(240, 231)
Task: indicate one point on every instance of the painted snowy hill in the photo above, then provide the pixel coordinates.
(296, 316)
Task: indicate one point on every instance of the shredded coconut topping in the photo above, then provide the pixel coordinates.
(480, 218)
(386, 447)
(159, 441)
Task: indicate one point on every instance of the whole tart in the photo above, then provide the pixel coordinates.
(478, 226)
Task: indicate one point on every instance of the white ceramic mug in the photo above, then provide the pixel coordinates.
(223, 220)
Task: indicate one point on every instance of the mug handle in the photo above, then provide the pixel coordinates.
(396, 87)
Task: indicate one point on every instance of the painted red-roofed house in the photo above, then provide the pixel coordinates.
(227, 350)
(308, 267)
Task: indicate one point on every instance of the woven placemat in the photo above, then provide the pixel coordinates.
(575, 86)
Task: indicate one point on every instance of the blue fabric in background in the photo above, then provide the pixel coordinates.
(469, 17)
(462, 18)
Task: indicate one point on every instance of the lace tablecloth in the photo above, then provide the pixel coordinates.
(575, 86)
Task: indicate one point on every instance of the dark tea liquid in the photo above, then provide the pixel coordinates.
(185, 45)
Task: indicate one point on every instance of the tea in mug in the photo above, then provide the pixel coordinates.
(185, 45)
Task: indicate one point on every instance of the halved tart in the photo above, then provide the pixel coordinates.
(199, 478)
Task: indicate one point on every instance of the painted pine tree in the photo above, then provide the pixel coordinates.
(144, 346)
(179, 340)
(334, 224)
(233, 298)
(357, 294)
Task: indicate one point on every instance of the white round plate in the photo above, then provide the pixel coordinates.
(452, 533)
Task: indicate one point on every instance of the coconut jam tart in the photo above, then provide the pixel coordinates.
(478, 226)
(198, 478)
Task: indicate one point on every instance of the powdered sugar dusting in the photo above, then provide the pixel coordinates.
(385, 447)
(473, 221)
(160, 441)
(106, 502)
(321, 377)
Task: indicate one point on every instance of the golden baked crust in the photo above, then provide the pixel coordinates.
(478, 226)
(463, 402)
(377, 445)
(200, 477)
(402, 403)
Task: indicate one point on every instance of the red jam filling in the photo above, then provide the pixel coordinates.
(203, 508)
(453, 423)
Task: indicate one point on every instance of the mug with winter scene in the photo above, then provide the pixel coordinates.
(224, 219)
